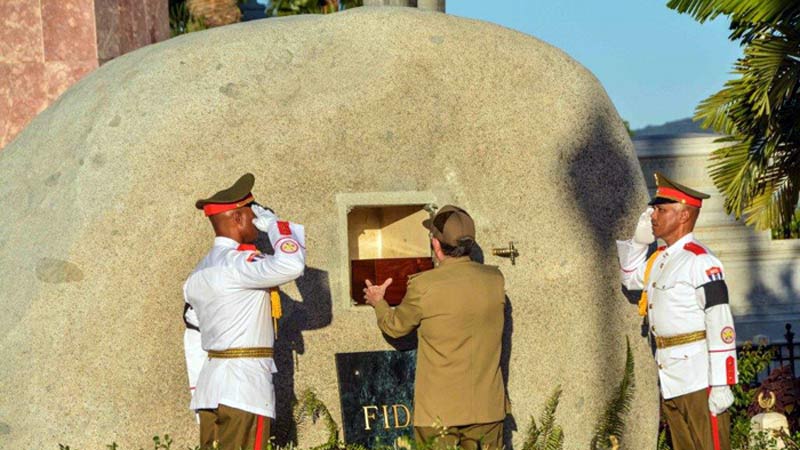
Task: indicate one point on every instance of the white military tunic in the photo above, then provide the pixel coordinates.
(686, 293)
(193, 346)
(228, 292)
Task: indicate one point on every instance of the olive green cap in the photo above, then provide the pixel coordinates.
(450, 224)
(233, 197)
(668, 191)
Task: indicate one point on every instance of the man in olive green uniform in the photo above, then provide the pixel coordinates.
(457, 309)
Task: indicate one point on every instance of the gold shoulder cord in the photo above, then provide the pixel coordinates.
(647, 269)
(275, 303)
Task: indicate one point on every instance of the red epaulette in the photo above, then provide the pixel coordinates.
(695, 248)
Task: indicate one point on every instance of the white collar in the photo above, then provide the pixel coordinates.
(222, 241)
(689, 237)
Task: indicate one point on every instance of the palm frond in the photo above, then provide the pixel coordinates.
(757, 110)
(754, 11)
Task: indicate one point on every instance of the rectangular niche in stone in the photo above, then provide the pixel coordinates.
(376, 390)
(386, 242)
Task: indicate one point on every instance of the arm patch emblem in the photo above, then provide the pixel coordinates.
(714, 274)
(728, 335)
(289, 246)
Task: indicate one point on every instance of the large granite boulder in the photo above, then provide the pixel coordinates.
(375, 106)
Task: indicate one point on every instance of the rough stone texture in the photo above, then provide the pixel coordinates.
(99, 228)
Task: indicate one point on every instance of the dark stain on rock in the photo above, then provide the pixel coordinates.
(52, 270)
(52, 180)
(115, 121)
(99, 160)
(437, 39)
(230, 90)
(5, 428)
(219, 66)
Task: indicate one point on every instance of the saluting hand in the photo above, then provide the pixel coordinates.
(264, 218)
(644, 229)
(373, 294)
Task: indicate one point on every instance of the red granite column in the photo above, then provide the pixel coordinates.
(48, 45)
(22, 91)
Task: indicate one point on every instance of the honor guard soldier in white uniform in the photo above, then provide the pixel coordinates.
(229, 293)
(685, 299)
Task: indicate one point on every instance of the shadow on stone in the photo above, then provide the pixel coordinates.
(313, 312)
(510, 423)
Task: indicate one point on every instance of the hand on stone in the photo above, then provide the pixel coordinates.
(264, 218)
(374, 293)
(719, 399)
(644, 229)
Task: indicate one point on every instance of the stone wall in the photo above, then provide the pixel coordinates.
(48, 45)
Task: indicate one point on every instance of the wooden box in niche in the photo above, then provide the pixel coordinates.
(386, 242)
(378, 270)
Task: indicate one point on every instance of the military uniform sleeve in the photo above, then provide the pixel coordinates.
(712, 295)
(404, 318)
(254, 271)
(192, 346)
(632, 262)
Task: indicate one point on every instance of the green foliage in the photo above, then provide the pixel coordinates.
(751, 362)
(548, 435)
(181, 21)
(792, 442)
(612, 422)
(309, 405)
(662, 441)
(792, 231)
(279, 8)
(628, 128)
(758, 173)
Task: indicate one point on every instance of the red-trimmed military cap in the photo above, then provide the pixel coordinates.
(668, 191)
(233, 197)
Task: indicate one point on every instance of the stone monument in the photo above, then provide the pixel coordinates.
(356, 124)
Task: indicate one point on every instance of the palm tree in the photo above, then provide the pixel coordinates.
(759, 111)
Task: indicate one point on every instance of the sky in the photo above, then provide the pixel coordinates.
(655, 64)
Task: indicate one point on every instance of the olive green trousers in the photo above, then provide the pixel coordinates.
(485, 436)
(691, 425)
(227, 428)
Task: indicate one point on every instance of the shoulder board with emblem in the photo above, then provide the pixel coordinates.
(695, 248)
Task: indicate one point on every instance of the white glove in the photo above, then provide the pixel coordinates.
(644, 230)
(264, 218)
(720, 399)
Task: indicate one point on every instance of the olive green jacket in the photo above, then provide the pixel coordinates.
(458, 311)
